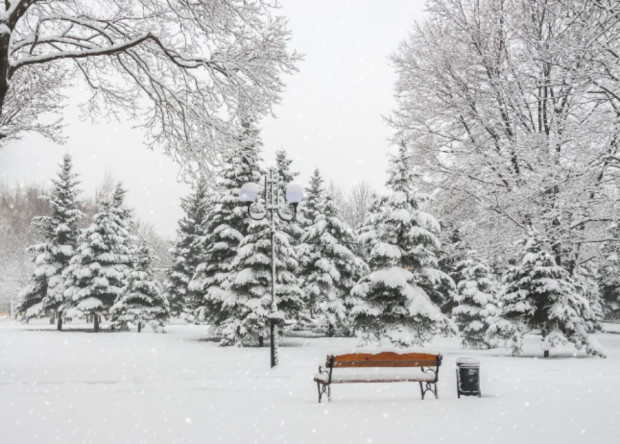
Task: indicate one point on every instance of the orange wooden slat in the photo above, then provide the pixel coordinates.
(383, 359)
(355, 364)
(361, 380)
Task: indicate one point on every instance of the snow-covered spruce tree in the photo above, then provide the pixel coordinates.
(453, 252)
(476, 301)
(366, 236)
(539, 294)
(331, 269)
(249, 298)
(314, 200)
(186, 252)
(224, 230)
(366, 233)
(312, 208)
(59, 230)
(250, 283)
(98, 271)
(285, 173)
(292, 228)
(609, 273)
(141, 300)
(286, 177)
(587, 286)
(394, 305)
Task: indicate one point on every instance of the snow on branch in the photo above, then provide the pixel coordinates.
(91, 52)
(185, 71)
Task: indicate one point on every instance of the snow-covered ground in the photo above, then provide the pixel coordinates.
(113, 388)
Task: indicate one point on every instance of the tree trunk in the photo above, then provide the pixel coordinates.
(96, 323)
(4, 67)
(59, 324)
(261, 341)
(546, 354)
(139, 327)
(7, 25)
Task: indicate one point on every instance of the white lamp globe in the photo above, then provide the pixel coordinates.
(294, 193)
(248, 192)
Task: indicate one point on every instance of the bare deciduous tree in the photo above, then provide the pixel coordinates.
(511, 109)
(360, 199)
(353, 205)
(179, 67)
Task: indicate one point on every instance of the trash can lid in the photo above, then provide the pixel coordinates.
(467, 362)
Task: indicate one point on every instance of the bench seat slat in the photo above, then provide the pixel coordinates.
(383, 356)
(415, 363)
(336, 381)
(376, 377)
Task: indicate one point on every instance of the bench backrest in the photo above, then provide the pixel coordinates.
(383, 359)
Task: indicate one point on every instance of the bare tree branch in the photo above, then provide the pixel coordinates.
(182, 69)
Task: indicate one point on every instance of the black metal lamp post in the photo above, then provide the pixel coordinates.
(294, 193)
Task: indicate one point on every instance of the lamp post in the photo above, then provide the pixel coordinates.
(294, 193)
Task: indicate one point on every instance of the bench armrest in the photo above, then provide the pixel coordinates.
(436, 369)
(325, 371)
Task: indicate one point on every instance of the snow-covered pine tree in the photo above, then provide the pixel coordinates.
(366, 234)
(314, 200)
(224, 230)
(453, 252)
(141, 300)
(609, 273)
(187, 253)
(249, 302)
(286, 177)
(587, 286)
(59, 230)
(312, 208)
(105, 254)
(394, 305)
(476, 301)
(331, 269)
(292, 228)
(283, 165)
(539, 294)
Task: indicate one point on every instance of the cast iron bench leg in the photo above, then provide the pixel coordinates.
(430, 387)
(323, 388)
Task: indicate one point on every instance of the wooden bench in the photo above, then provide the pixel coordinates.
(379, 367)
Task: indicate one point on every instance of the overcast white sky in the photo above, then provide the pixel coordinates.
(330, 115)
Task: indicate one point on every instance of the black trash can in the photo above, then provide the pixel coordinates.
(468, 377)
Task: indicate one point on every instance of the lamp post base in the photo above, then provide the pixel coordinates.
(274, 342)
